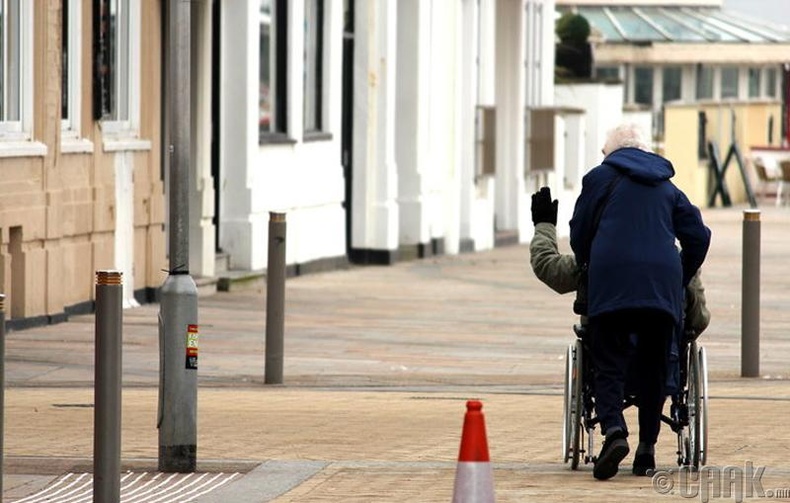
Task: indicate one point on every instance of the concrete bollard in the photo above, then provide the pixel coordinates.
(275, 299)
(750, 295)
(107, 388)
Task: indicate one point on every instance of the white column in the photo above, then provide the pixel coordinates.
(468, 79)
(411, 136)
(124, 224)
(510, 102)
(547, 58)
(239, 128)
(375, 185)
(444, 181)
(201, 193)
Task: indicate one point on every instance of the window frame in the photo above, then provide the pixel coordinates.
(754, 88)
(601, 72)
(652, 71)
(111, 123)
(724, 70)
(72, 82)
(711, 75)
(278, 74)
(20, 129)
(319, 58)
(771, 85)
(664, 85)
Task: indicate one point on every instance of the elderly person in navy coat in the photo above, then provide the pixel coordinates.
(624, 230)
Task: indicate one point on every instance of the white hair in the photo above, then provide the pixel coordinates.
(625, 136)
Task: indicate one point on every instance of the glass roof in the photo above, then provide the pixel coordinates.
(676, 24)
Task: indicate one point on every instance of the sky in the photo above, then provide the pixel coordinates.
(776, 11)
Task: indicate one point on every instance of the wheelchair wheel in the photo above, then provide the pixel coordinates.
(695, 409)
(566, 409)
(575, 404)
(703, 374)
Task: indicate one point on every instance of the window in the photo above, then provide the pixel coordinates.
(770, 82)
(704, 82)
(15, 69)
(10, 79)
(671, 83)
(607, 73)
(729, 82)
(754, 82)
(643, 85)
(313, 64)
(273, 56)
(71, 83)
(116, 28)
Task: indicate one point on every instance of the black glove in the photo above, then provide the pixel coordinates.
(543, 208)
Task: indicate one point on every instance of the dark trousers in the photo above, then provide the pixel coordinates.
(635, 340)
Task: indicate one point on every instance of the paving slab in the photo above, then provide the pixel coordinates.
(379, 362)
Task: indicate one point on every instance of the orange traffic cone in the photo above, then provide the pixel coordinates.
(474, 478)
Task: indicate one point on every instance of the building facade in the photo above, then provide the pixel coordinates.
(383, 130)
(685, 51)
(80, 129)
(374, 125)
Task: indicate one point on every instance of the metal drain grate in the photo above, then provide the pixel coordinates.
(136, 487)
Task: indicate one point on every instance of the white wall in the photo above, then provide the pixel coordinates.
(603, 104)
(302, 179)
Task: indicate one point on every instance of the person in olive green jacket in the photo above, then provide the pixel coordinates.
(560, 273)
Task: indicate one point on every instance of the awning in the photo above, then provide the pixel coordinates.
(642, 25)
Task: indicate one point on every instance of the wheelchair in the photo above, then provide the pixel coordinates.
(688, 412)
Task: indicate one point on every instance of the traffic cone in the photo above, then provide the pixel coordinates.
(474, 478)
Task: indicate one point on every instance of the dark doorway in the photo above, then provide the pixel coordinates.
(347, 129)
(216, 10)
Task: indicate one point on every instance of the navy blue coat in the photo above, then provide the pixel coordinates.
(634, 261)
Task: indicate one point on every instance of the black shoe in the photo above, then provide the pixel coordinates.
(614, 449)
(644, 464)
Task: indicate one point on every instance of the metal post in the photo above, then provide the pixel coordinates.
(750, 295)
(275, 299)
(178, 332)
(107, 388)
(2, 389)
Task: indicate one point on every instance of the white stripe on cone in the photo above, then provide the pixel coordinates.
(474, 483)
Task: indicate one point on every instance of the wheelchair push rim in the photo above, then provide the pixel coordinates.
(695, 440)
(703, 366)
(573, 403)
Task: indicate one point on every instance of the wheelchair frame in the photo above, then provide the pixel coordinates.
(688, 414)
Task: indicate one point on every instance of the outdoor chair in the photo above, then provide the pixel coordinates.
(766, 181)
(784, 182)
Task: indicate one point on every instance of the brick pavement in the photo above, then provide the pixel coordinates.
(379, 362)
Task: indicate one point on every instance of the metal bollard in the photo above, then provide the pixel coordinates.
(2, 389)
(107, 388)
(275, 299)
(750, 295)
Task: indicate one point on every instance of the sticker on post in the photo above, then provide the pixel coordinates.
(192, 347)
